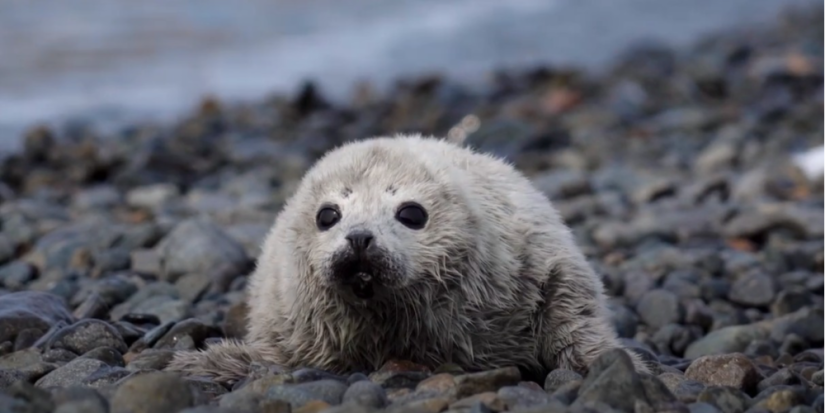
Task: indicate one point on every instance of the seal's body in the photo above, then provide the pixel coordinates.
(418, 249)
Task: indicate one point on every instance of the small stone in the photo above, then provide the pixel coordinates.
(789, 301)
(398, 379)
(146, 261)
(754, 289)
(612, 380)
(198, 246)
(780, 398)
(197, 331)
(72, 373)
(727, 399)
(92, 307)
(685, 390)
(151, 359)
(485, 381)
(158, 392)
(86, 335)
(558, 378)
(79, 400)
(702, 407)
(366, 394)
(327, 391)
(725, 340)
(16, 275)
(489, 400)
(520, 397)
(96, 197)
(735, 370)
(658, 308)
(107, 355)
(151, 196)
(438, 384)
(28, 362)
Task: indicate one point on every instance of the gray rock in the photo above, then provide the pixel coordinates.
(30, 310)
(807, 323)
(560, 377)
(16, 275)
(658, 308)
(86, 335)
(521, 397)
(28, 362)
(624, 320)
(198, 246)
(754, 289)
(7, 248)
(151, 196)
(726, 340)
(96, 197)
(192, 328)
(151, 359)
(107, 355)
(9, 377)
(612, 380)
(563, 184)
(366, 394)
(79, 400)
(157, 392)
(328, 391)
(702, 407)
(72, 373)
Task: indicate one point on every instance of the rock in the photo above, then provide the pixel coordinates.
(198, 246)
(72, 373)
(520, 397)
(780, 398)
(327, 391)
(16, 275)
(485, 381)
(96, 197)
(789, 301)
(563, 184)
(612, 380)
(195, 330)
(702, 407)
(86, 335)
(560, 377)
(107, 355)
(79, 400)
(441, 383)
(755, 289)
(725, 398)
(151, 196)
(397, 379)
(366, 394)
(735, 370)
(158, 392)
(685, 390)
(624, 320)
(658, 308)
(807, 323)
(145, 261)
(30, 310)
(151, 359)
(726, 340)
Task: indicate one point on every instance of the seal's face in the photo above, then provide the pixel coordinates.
(382, 220)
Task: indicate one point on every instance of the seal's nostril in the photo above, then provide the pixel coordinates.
(360, 240)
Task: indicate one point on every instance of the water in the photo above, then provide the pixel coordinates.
(116, 61)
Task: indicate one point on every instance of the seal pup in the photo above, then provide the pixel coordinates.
(416, 248)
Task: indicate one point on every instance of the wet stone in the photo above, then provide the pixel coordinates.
(658, 308)
(16, 275)
(754, 289)
(72, 373)
(367, 394)
(151, 359)
(328, 391)
(30, 310)
(612, 380)
(486, 381)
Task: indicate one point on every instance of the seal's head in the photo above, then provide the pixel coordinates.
(378, 216)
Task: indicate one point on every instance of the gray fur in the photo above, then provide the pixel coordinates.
(494, 279)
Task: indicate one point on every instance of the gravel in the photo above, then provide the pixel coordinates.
(672, 167)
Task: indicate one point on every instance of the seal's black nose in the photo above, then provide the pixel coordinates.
(360, 240)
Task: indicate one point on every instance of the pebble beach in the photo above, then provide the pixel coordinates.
(677, 170)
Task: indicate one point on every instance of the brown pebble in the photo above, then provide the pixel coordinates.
(312, 407)
(734, 370)
(439, 383)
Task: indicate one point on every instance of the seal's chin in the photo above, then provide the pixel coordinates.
(362, 285)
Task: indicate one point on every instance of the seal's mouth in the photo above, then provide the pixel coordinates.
(362, 285)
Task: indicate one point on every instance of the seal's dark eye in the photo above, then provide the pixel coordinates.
(327, 217)
(412, 215)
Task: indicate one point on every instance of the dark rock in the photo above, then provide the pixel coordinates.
(398, 379)
(790, 300)
(27, 362)
(79, 400)
(520, 397)
(107, 355)
(93, 307)
(151, 359)
(195, 330)
(702, 407)
(624, 320)
(39, 400)
(309, 374)
(30, 310)
(685, 390)
(658, 308)
(807, 324)
(780, 398)
(726, 340)
(673, 339)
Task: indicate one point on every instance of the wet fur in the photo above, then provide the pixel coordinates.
(494, 279)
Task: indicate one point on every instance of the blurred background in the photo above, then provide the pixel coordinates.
(111, 62)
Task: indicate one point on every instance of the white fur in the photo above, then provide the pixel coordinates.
(494, 279)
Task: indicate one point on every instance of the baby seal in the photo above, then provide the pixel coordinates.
(420, 249)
